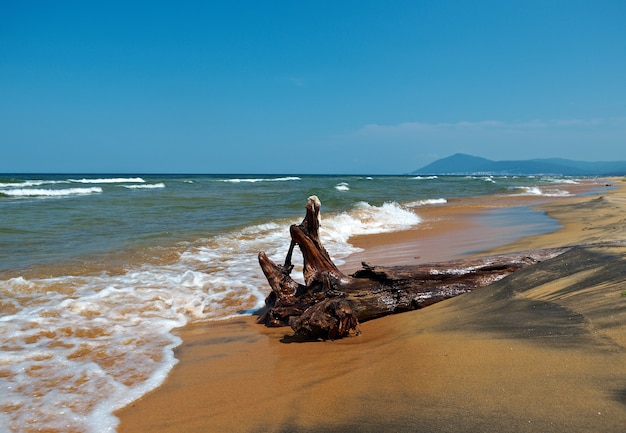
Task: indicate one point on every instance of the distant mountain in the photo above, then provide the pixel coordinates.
(461, 164)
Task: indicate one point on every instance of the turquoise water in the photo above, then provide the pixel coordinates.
(52, 218)
(96, 270)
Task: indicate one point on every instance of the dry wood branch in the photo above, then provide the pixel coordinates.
(331, 304)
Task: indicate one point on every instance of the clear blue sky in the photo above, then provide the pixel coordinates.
(367, 87)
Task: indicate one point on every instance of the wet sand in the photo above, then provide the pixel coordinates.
(543, 350)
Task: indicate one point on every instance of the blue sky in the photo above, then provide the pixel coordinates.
(366, 87)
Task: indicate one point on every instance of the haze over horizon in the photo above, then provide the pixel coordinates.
(322, 87)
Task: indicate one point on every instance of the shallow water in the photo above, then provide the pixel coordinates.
(95, 271)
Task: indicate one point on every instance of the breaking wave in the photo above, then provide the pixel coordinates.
(254, 180)
(146, 186)
(110, 180)
(37, 192)
(87, 345)
(546, 192)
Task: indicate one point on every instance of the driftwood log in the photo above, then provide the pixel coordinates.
(330, 304)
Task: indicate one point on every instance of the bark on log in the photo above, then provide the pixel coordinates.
(330, 304)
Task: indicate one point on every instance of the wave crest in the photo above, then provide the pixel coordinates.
(38, 192)
(426, 202)
(255, 180)
(146, 186)
(110, 180)
(535, 190)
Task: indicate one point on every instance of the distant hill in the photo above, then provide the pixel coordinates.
(461, 164)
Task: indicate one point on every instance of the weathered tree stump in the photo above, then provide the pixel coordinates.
(330, 304)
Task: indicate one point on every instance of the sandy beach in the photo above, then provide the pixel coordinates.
(543, 350)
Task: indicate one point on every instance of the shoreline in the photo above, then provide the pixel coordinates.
(460, 228)
(437, 369)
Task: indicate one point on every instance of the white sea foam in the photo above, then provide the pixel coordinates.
(88, 345)
(146, 186)
(30, 183)
(531, 190)
(426, 202)
(110, 180)
(424, 177)
(276, 179)
(38, 192)
(562, 180)
(342, 186)
(483, 178)
(546, 192)
(366, 219)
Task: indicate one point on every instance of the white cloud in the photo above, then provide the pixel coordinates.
(406, 129)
